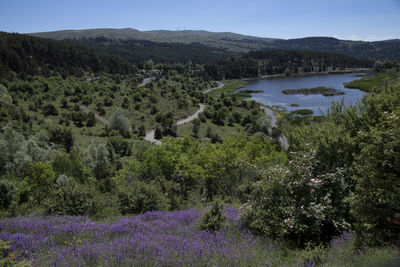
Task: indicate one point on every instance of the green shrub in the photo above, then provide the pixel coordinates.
(140, 197)
(119, 145)
(376, 201)
(7, 191)
(214, 218)
(50, 109)
(71, 198)
(62, 136)
(299, 204)
(39, 180)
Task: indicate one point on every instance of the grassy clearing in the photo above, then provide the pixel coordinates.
(373, 82)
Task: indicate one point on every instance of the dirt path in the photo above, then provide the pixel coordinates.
(150, 134)
(146, 81)
(97, 116)
(282, 138)
(220, 85)
(272, 115)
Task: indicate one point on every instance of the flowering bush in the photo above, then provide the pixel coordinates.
(299, 204)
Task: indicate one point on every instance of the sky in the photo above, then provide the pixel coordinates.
(367, 20)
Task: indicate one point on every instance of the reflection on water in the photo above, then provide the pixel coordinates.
(272, 91)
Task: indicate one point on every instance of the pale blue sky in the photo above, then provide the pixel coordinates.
(345, 19)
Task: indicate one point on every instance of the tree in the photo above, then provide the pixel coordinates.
(91, 120)
(196, 127)
(119, 122)
(376, 201)
(39, 180)
(142, 130)
(50, 109)
(5, 98)
(158, 133)
(99, 161)
(214, 218)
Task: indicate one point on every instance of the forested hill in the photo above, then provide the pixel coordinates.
(272, 61)
(381, 50)
(139, 51)
(32, 55)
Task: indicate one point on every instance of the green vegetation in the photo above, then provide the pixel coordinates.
(373, 82)
(71, 142)
(317, 90)
(280, 62)
(140, 51)
(230, 87)
(303, 112)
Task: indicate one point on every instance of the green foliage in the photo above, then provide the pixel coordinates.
(196, 127)
(39, 180)
(119, 145)
(90, 120)
(8, 257)
(299, 204)
(119, 122)
(99, 161)
(32, 55)
(5, 98)
(7, 194)
(62, 136)
(376, 200)
(158, 133)
(71, 198)
(140, 197)
(71, 165)
(214, 218)
(50, 110)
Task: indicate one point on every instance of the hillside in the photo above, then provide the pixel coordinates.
(31, 55)
(139, 51)
(382, 50)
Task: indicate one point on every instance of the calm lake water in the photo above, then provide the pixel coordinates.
(272, 91)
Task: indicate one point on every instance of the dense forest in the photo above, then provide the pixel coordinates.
(30, 55)
(270, 62)
(140, 51)
(79, 185)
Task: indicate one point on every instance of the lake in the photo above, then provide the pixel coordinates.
(272, 91)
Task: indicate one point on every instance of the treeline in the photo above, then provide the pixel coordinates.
(25, 54)
(269, 62)
(139, 51)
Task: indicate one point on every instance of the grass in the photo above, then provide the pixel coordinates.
(229, 88)
(373, 82)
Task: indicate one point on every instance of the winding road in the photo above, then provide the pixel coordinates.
(150, 134)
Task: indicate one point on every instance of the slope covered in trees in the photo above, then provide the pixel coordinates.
(25, 54)
(139, 51)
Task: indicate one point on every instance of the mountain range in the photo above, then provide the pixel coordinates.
(233, 42)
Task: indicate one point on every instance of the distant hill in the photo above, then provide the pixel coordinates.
(382, 50)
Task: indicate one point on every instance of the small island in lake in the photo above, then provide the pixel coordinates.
(325, 91)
